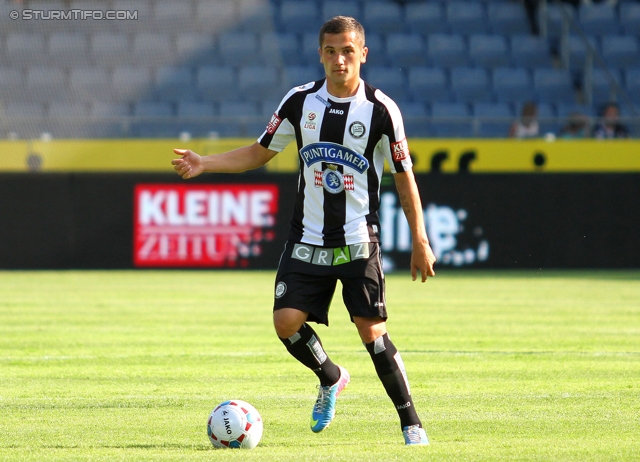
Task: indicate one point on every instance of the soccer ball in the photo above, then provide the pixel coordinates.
(234, 424)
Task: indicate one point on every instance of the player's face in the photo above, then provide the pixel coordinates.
(342, 54)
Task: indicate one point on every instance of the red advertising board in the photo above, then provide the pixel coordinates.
(218, 226)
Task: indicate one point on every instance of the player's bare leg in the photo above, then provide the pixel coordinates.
(304, 344)
(391, 371)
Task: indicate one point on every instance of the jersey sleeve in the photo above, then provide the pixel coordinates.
(279, 131)
(393, 143)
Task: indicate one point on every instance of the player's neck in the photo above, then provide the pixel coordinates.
(343, 90)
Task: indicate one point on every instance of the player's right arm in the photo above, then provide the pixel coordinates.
(190, 164)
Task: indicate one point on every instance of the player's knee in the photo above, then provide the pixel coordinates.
(287, 322)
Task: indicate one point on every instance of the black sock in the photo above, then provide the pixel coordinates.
(390, 369)
(306, 347)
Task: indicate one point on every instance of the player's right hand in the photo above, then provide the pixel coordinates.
(189, 165)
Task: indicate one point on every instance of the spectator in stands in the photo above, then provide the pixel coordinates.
(577, 126)
(609, 125)
(527, 125)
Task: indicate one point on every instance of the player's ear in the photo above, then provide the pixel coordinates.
(365, 52)
(320, 53)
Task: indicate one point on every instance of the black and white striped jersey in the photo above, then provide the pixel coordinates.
(342, 145)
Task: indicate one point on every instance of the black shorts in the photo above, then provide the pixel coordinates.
(307, 277)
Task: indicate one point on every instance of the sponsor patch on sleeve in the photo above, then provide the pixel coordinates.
(274, 123)
(400, 150)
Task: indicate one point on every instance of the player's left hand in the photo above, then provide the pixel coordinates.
(422, 261)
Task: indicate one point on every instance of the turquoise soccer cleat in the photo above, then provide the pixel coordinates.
(325, 408)
(414, 435)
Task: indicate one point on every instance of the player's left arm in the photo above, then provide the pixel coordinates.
(422, 257)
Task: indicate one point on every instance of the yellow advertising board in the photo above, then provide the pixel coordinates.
(444, 155)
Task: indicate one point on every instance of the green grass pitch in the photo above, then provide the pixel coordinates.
(127, 365)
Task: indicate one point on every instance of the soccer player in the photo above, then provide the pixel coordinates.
(344, 129)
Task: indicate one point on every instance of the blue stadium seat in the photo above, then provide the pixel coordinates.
(405, 50)
(11, 82)
(89, 83)
(507, 18)
(258, 82)
(451, 119)
(428, 84)
(493, 119)
(169, 13)
(512, 84)
(340, 8)
(489, 50)
(238, 48)
(194, 117)
(603, 90)
(294, 76)
(152, 46)
(466, 17)
(390, 80)
(189, 44)
(299, 17)
(415, 119)
(578, 51)
(471, 84)
(553, 85)
(152, 109)
(426, 17)
(107, 109)
(566, 109)
(630, 18)
(268, 107)
(195, 109)
(598, 19)
(257, 16)
(67, 44)
(632, 83)
(383, 17)
(110, 47)
(279, 48)
(239, 109)
(128, 82)
(447, 50)
(309, 52)
(24, 109)
(214, 15)
(58, 109)
(23, 48)
(217, 83)
(621, 51)
(556, 18)
(530, 51)
(376, 44)
(175, 84)
(155, 120)
(45, 83)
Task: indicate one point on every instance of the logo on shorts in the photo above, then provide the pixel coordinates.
(325, 256)
(281, 288)
(357, 129)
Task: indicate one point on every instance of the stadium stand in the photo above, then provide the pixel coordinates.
(202, 66)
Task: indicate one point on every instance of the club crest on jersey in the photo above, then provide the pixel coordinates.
(310, 120)
(333, 153)
(357, 129)
(400, 150)
(333, 181)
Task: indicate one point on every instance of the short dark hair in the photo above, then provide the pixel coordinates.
(340, 24)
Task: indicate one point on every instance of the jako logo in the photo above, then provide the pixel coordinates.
(336, 111)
